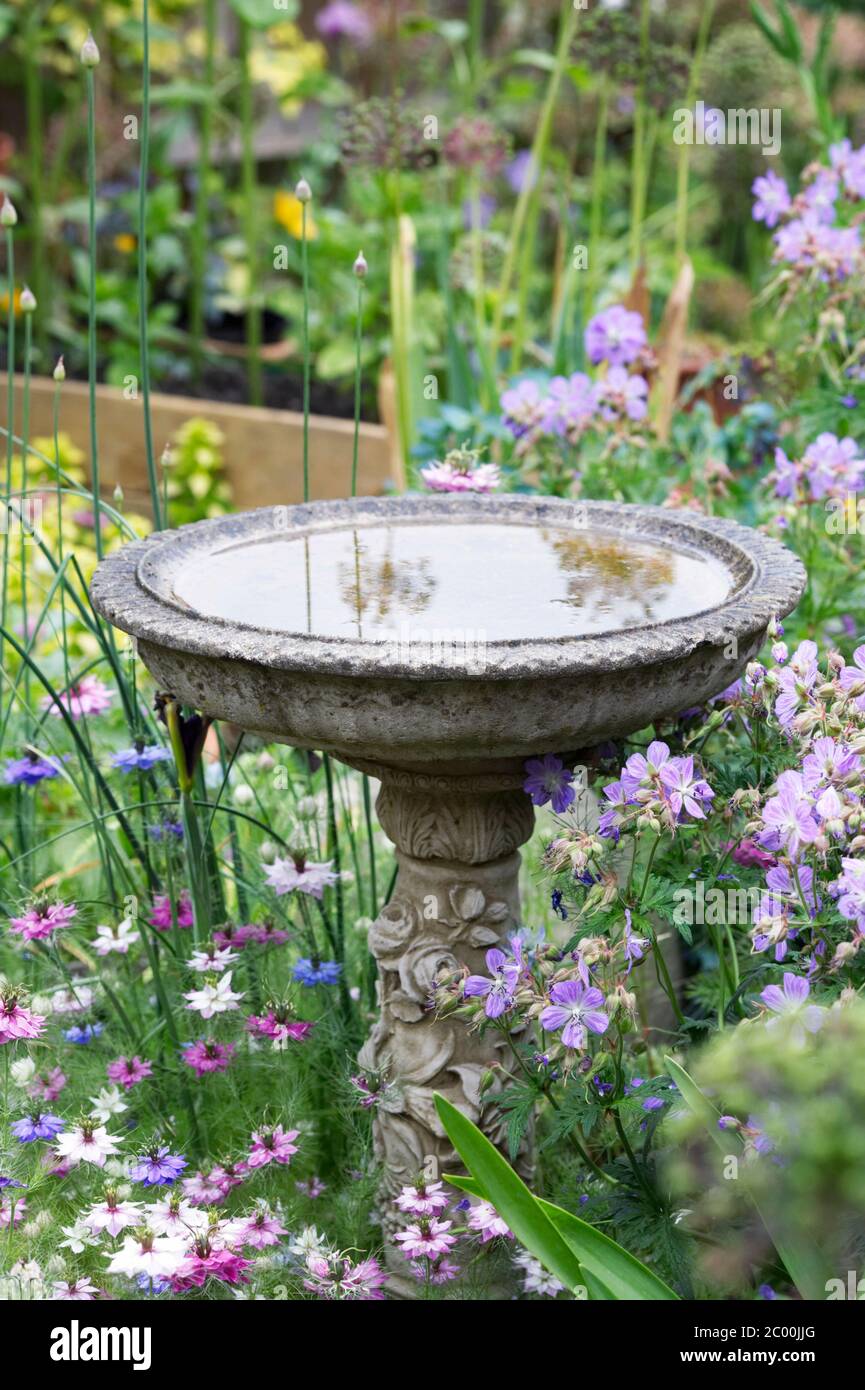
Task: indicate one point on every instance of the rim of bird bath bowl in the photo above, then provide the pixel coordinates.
(133, 587)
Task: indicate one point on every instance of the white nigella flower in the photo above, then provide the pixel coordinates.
(73, 1001)
(78, 1237)
(169, 1217)
(213, 998)
(156, 1256)
(112, 1215)
(202, 961)
(109, 1102)
(86, 1144)
(117, 939)
(309, 1242)
(23, 1071)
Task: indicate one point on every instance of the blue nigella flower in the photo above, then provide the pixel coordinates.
(317, 972)
(83, 1033)
(34, 1127)
(141, 757)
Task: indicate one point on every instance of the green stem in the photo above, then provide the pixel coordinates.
(567, 24)
(199, 237)
(10, 413)
(35, 151)
(91, 304)
(596, 201)
(247, 174)
(143, 334)
(685, 149)
(638, 160)
(304, 251)
(357, 381)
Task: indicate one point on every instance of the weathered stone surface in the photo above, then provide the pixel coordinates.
(446, 742)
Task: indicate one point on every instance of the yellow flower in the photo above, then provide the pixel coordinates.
(125, 242)
(288, 212)
(4, 300)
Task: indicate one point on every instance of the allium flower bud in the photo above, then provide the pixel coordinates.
(89, 52)
(118, 495)
(302, 191)
(167, 460)
(360, 266)
(59, 371)
(266, 761)
(267, 852)
(8, 215)
(28, 301)
(307, 808)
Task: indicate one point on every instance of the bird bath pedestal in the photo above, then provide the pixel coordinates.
(436, 643)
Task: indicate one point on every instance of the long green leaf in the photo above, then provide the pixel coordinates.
(608, 1270)
(510, 1197)
(802, 1259)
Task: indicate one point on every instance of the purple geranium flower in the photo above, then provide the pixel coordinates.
(548, 779)
(574, 1009)
(616, 336)
(685, 789)
(772, 198)
(787, 816)
(790, 1003)
(158, 1168)
(498, 991)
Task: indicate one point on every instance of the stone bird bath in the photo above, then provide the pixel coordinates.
(437, 642)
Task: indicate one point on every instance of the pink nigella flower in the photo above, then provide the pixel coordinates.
(42, 920)
(129, 1071)
(207, 1055)
(48, 1085)
(297, 875)
(426, 1239)
(278, 1025)
(261, 1230)
(11, 1211)
(312, 1188)
(160, 916)
(272, 1146)
(90, 696)
(205, 1189)
(448, 477)
(206, 1263)
(112, 1215)
(74, 1291)
(18, 1024)
(483, 1218)
(86, 1143)
(333, 1276)
(427, 1199)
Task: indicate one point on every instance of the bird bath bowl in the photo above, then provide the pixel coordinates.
(437, 642)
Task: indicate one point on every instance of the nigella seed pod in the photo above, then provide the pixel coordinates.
(28, 301)
(302, 191)
(360, 266)
(59, 371)
(8, 215)
(89, 54)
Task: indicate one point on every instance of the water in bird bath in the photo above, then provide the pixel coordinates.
(505, 581)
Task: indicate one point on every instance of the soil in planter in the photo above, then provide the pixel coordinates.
(227, 381)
